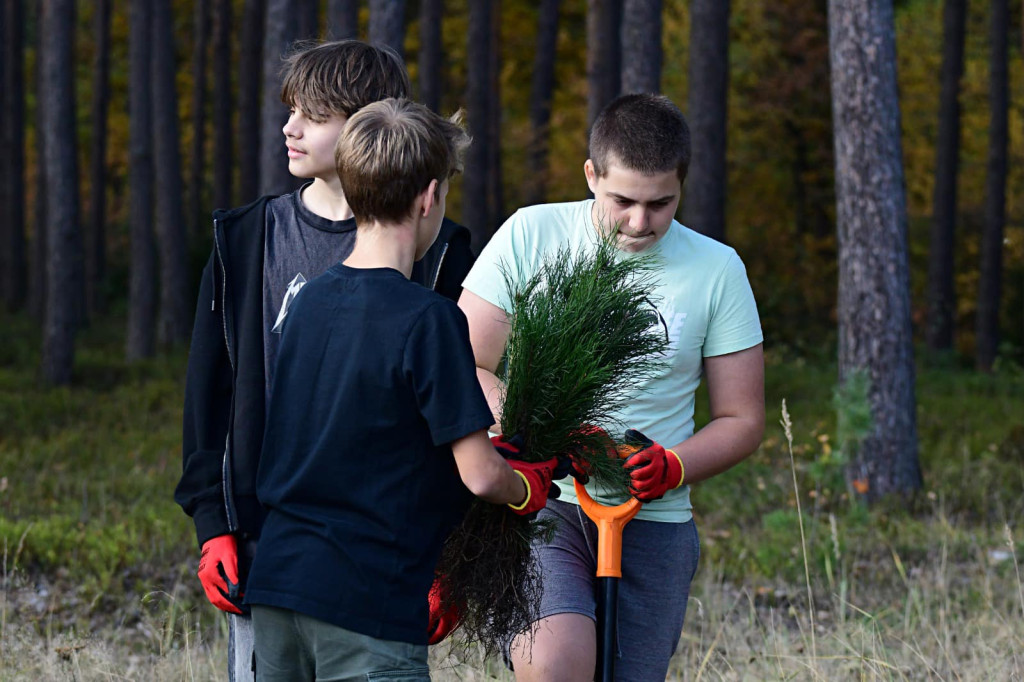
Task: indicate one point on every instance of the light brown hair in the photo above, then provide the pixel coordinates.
(388, 153)
(341, 77)
(644, 132)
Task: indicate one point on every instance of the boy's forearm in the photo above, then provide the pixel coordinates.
(722, 444)
(494, 392)
(485, 472)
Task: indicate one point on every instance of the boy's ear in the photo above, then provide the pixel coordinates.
(591, 174)
(429, 198)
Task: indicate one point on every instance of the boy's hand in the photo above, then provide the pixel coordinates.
(580, 467)
(537, 477)
(653, 470)
(442, 621)
(218, 572)
(511, 449)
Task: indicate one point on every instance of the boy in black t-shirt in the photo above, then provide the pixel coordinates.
(262, 255)
(375, 439)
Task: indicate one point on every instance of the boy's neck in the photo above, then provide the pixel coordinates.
(327, 200)
(384, 246)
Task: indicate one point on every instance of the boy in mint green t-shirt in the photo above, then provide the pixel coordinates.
(639, 154)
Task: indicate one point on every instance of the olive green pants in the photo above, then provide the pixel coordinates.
(292, 647)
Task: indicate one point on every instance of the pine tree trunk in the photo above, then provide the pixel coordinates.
(704, 207)
(474, 181)
(542, 89)
(174, 321)
(990, 282)
(343, 19)
(64, 240)
(604, 60)
(250, 75)
(641, 45)
(308, 27)
(871, 213)
(12, 259)
(37, 271)
(141, 337)
(941, 290)
(495, 195)
(430, 53)
(96, 244)
(197, 160)
(280, 30)
(223, 156)
(387, 24)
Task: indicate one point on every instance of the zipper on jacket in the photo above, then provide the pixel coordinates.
(225, 472)
(437, 270)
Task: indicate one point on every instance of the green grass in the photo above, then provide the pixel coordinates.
(92, 541)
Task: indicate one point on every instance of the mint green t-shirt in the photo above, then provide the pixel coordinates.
(704, 302)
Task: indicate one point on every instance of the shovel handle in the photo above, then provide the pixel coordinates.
(610, 522)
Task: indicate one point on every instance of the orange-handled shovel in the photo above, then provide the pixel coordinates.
(610, 522)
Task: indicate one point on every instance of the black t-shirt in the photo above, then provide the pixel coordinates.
(375, 379)
(299, 245)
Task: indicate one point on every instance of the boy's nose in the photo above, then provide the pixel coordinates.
(638, 220)
(290, 129)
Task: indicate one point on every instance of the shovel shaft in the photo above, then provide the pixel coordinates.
(607, 622)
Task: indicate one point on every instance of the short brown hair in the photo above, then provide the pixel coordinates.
(388, 153)
(643, 132)
(341, 77)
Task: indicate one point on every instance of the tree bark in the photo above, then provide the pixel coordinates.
(990, 282)
(708, 107)
(223, 156)
(429, 66)
(542, 89)
(64, 241)
(343, 19)
(308, 27)
(604, 61)
(141, 339)
(12, 259)
(37, 271)
(250, 72)
(174, 321)
(196, 211)
(495, 195)
(280, 30)
(941, 290)
(387, 24)
(641, 44)
(874, 284)
(474, 182)
(96, 247)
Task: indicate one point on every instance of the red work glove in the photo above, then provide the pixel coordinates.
(537, 477)
(442, 621)
(218, 572)
(510, 449)
(580, 468)
(653, 470)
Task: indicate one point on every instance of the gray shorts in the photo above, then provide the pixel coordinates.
(659, 561)
(292, 647)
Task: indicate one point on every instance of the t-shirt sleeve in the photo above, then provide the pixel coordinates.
(499, 263)
(733, 324)
(438, 364)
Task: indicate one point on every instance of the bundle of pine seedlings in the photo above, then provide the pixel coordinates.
(584, 336)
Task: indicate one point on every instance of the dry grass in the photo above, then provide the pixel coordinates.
(935, 620)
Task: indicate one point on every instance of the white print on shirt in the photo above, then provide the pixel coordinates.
(289, 295)
(671, 324)
(675, 327)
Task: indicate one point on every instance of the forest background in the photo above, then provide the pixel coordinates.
(92, 541)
